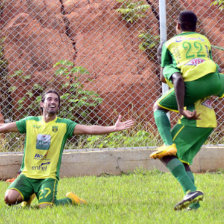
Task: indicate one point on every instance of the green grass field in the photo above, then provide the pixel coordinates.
(140, 197)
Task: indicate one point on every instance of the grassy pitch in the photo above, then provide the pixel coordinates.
(139, 197)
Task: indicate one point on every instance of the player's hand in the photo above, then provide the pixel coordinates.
(119, 125)
(191, 115)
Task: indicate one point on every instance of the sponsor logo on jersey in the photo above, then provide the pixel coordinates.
(195, 61)
(179, 39)
(186, 38)
(42, 166)
(55, 128)
(43, 142)
(207, 103)
(40, 157)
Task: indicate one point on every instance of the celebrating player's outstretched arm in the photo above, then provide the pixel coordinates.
(8, 127)
(98, 130)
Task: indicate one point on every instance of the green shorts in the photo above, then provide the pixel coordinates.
(189, 141)
(209, 85)
(221, 94)
(45, 189)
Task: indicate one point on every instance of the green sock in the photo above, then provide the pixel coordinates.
(191, 176)
(63, 201)
(193, 205)
(163, 125)
(177, 169)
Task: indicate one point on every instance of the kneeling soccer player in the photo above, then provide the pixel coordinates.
(44, 144)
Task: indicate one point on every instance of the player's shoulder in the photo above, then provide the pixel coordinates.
(35, 118)
(186, 36)
(201, 35)
(172, 40)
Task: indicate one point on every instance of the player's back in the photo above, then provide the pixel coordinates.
(191, 53)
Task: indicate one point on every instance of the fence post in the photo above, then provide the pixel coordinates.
(163, 31)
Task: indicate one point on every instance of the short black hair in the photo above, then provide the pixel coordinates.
(187, 20)
(50, 91)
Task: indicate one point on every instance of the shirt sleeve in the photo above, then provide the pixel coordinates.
(169, 70)
(21, 125)
(221, 94)
(70, 128)
(166, 58)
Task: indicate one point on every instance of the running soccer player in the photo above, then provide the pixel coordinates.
(198, 77)
(45, 140)
(188, 136)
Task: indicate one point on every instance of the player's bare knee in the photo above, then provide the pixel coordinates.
(9, 200)
(12, 197)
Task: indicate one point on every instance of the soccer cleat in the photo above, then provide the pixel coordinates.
(28, 203)
(189, 198)
(75, 199)
(165, 150)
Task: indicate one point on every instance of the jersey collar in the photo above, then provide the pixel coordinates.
(42, 120)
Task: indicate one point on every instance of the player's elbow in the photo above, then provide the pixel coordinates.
(177, 77)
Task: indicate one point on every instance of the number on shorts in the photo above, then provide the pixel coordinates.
(44, 193)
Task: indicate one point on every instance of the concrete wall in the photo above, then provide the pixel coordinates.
(113, 162)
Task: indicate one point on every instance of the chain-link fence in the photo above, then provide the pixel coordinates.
(100, 55)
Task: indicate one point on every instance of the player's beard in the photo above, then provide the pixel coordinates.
(52, 112)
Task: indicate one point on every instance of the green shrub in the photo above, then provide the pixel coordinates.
(132, 11)
(149, 43)
(76, 103)
(219, 3)
(120, 139)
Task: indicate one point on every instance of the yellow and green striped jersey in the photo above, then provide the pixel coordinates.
(207, 118)
(44, 144)
(190, 52)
